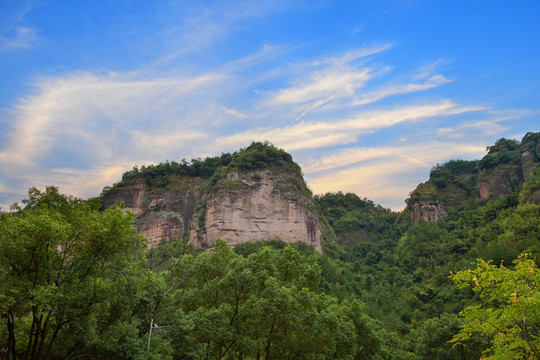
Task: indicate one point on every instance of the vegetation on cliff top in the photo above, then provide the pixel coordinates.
(504, 151)
(257, 156)
(456, 182)
(452, 183)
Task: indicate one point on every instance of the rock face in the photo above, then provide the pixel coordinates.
(427, 210)
(530, 153)
(163, 213)
(251, 206)
(499, 181)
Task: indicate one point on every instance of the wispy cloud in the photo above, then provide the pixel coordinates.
(191, 27)
(317, 134)
(86, 124)
(491, 126)
(384, 174)
(431, 82)
(15, 31)
(21, 38)
(104, 104)
(81, 130)
(328, 80)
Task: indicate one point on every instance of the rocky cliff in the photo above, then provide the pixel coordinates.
(258, 205)
(508, 167)
(257, 193)
(162, 212)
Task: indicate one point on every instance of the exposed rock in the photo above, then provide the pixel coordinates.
(499, 181)
(269, 201)
(530, 154)
(256, 206)
(163, 213)
(501, 172)
(427, 210)
(528, 162)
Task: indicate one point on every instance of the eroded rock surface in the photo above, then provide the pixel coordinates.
(162, 214)
(427, 210)
(251, 206)
(499, 181)
(259, 205)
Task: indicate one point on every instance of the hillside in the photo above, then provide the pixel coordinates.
(506, 167)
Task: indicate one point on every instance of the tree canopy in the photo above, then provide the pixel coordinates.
(509, 308)
(60, 261)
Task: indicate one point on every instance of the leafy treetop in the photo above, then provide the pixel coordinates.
(504, 151)
(257, 156)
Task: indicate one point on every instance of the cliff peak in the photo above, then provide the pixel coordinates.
(509, 166)
(256, 193)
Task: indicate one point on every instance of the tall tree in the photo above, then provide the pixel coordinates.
(58, 258)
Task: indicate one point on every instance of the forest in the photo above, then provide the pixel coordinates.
(77, 283)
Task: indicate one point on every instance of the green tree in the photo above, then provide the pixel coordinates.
(60, 259)
(263, 306)
(509, 309)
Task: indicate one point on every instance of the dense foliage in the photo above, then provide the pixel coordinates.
(504, 151)
(452, 183)
(257, 156)
(74, 285)
(224, 305)
(67, 275)
(509, 310)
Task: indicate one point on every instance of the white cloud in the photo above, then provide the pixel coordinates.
(489, 127)
(431, 82)
(385, 174)
(192, 26)
(78, 127)
(235, 113)
(337, 78)
(69, 106)
(317, 134)
(322, 85)
(22, 38)
(82, 130)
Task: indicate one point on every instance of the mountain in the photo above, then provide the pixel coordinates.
(257, 193)
(506, 167)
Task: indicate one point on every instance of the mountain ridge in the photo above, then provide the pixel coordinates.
(259, 193)
(507, 166)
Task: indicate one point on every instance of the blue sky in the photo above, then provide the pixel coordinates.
(366, 95)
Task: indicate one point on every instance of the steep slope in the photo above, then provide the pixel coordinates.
(450, 185)
(160, 212)
(506, 167)
(355, 220)
(253, 206)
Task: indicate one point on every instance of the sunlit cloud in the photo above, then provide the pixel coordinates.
(329, 79)
(316, 134)
(235, 113)
(383, 174)
(431, 82)
(86, 102)
(492, 125)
